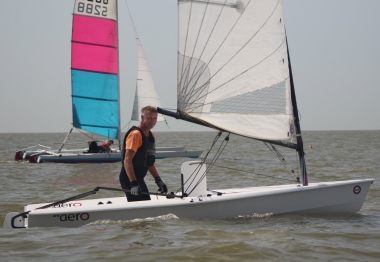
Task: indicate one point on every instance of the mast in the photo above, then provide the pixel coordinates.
(118, 66)
(301, 153)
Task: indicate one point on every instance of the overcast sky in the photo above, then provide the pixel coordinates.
(334, 50)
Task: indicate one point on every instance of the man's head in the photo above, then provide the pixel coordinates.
(109, 142)
(148, 117)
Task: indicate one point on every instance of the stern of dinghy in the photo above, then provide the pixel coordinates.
(13, 220)
(19, 155)
(33, 159)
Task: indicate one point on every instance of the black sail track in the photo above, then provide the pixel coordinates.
(300, 150)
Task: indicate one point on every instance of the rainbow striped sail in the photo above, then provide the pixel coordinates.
(95, 68)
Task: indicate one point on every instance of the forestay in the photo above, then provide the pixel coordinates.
(233, 68)
(94, 67)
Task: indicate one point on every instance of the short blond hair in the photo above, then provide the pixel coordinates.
(151, 109)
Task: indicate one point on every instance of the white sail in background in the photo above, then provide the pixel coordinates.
(146, 93)
(233, 69)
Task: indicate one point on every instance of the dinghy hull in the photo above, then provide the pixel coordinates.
(105, 157)
(75, 156)
(326, 198)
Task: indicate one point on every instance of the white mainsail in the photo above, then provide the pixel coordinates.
(233, 70)
(146, 93)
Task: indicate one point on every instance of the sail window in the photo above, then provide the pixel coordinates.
(266, 101)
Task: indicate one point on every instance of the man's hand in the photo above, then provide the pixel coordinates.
(161, 186)
(135, 188)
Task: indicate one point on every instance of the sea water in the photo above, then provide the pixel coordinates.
(330, 156)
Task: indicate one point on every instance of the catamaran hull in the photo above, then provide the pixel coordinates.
(81, 155)
(329, 197)
(19, 155)
(25, 155)
(105, 157)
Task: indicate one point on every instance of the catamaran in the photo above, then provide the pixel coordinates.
(234, 75)
(95, 91)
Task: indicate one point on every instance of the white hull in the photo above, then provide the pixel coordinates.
(109, 158)
(25, 155)
(325, 197)
(81, 155)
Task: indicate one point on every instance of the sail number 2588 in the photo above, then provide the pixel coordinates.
(93, 9)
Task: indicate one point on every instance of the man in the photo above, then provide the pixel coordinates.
(138, 156)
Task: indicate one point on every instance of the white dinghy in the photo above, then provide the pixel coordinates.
(198, 202)
(234, 75)
(329, 197)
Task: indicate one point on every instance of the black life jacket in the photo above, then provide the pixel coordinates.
(146, 153)
(93, 147)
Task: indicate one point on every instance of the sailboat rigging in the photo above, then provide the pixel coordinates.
(96, 87)
(233, 75)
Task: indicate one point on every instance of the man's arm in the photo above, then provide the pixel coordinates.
(105, 148)
(153, 172)
(162, 187)
(128, 164)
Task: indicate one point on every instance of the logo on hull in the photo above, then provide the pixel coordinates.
(357, 190)
(73, 217)
(68, 205)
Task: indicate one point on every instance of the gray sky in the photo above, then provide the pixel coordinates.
(334, 50)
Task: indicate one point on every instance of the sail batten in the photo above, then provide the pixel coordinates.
(108, 46)
(92, 98)
(92, 71)
(233, 67)
(95, 68)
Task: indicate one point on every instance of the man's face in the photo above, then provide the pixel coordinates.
(149, 119)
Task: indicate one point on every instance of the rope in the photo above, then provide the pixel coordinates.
(280, 178)
(196, 171)
(210, 165)
(126, 125)
(86, 135)
(282, 159)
